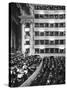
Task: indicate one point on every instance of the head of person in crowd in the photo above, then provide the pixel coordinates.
(51, 57)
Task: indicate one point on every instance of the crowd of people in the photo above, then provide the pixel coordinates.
(21, 67)
(52, 72)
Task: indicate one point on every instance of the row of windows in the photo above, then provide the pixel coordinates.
(48, 42)
(50, 16)
(49, 50)
(50, 24)
(49, 33)
(49, 7)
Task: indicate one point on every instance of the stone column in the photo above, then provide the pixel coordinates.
(23, 37)
(11, 39)
(14, 41)
(31, 39)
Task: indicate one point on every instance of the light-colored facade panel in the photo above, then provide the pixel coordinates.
(48, 20)
(49, 29)
(48, 37)
(49, 12)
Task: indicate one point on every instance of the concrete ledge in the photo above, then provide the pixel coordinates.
(32, 77)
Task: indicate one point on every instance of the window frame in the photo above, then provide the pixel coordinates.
(37, 50)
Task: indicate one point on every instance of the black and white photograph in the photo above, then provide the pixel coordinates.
(37, 44)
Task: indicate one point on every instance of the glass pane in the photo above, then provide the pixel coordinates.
(51, 50)
(27, 25)
(37, 16)
(42, 42)
(56, 50)
(36, 24)
(27, 42)
(61, 41)
(51, 33)
(27, 50)
(51, 42)
(46, 50)
(56, 41)
(36, 42)
(37, 33)
(46, 33)
(37, 50)
(41, 33)
(41, 24)
(41, 50)
(46, 42)
(56, 33)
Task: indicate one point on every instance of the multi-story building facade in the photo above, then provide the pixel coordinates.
(43, 32)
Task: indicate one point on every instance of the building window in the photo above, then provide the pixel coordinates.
(56, 24)
(64, 33)
(64, 50)
(37, 50)
(37, 16)
(61, 50)
(56, 33)
(46, 24)
(61, 33)
(41, 16)
(62, 16)
(36, 42)
(51, 16)
(27, 33)
(46, 16)
(51, 25)
(62, 42)
(42, 42)
(27, 43)
(41, 24)
(51, 33)
(47, 7)
(36, 24)
(47, 50)
(56, 50)
(56, 16)
(51, 42)
(41, 50)
(27, 25)
(47, 42)
(47, 33)
(27, 50)
(61, 24)
(41, 33)
(37, 33)
(37, 7)
(56, 41)
(51, 50)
